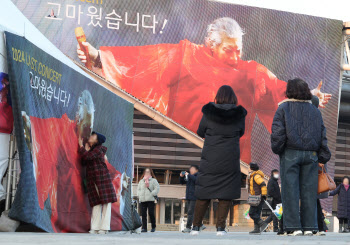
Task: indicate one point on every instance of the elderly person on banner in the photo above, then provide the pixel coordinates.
(71, 207)
(179, 79)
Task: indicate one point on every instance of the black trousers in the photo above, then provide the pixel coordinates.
(343, 221)
(255, 212)
(150, 207)
(190, 213)
(320, 217)
(272, 216)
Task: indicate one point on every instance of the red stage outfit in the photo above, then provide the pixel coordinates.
(59, 175)
(6, 116)
(178, 79)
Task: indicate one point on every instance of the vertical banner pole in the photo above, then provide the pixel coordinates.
(14, 170)
(9, 173)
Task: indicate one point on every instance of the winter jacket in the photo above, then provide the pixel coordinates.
(219, 175)
(99, 183)
(190, 186)
(298, 125)
(273, 190)
(343, 201)
(257, 185)
(147, 194)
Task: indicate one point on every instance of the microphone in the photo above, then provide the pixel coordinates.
(80, 35)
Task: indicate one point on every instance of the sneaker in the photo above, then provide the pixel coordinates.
(296, 233)
(143, 230)
(308, 233)
(186, 230)
(203, 227)
(221, 231)
(320, 233)
(93, 232)
(264, 226)
(102, 232)
(153, 230)
(195, 231)
(281, 233)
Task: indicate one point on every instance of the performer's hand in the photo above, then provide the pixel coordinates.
(93, 53)
(181, 175)
(323, 97)
(186, 173)
(80, 142)
(321, 165)
(87, 146)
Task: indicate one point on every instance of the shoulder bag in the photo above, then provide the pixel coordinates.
(325, 181)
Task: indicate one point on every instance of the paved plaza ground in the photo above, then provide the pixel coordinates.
(167, 238)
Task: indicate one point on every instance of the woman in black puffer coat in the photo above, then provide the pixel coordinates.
(219, 175)
(299, 138)
(343, 213)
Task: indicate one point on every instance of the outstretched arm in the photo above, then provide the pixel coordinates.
(335, 192)
(89, 155)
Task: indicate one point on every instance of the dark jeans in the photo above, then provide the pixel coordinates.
(150, 207)
(299, 175)
(255, 212)
(190, 213)
(222, 212)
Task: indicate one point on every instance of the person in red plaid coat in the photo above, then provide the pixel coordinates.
(100, 189)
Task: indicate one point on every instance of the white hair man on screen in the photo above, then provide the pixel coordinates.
(178, 79)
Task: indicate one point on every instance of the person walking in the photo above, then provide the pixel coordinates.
(273, 191)
(299, 138)
(147, 191)
(219, 175)
(343, 213)
(257, 186)
(101, 192)
(190, 180)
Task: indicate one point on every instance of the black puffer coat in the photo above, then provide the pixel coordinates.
(299, 125)
(219, 175)
(273, 190)
(190, 186)
(343, 201)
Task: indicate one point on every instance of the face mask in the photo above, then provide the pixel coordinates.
(276, 176)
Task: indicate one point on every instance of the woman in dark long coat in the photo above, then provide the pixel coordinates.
(101, 192)
(219, 175)
(343, 213)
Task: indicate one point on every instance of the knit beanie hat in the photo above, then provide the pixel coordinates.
(254, 166)
(100, 137)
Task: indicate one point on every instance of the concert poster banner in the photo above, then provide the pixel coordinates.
(53, 105)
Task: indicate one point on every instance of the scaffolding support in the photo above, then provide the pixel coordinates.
(10, 176)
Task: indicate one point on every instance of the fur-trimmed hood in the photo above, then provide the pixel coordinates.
(294, 100)
(223, 113)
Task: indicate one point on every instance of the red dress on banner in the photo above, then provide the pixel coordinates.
(59, 175)
(178, 79)
(6, 116)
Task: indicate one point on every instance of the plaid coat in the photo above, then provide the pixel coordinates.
(99, 182)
